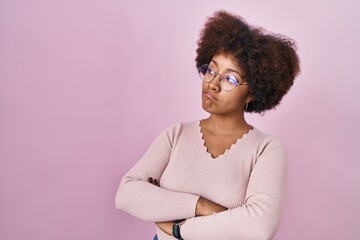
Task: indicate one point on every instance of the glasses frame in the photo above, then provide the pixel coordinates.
(221, 78)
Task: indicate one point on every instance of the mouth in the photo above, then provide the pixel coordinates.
(210, 96)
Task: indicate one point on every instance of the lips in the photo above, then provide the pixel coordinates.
(210, 96)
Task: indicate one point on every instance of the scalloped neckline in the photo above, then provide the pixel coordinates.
(227, 149)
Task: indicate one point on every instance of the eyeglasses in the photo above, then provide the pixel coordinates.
(227, 81)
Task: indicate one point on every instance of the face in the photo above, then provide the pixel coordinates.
(218, 101)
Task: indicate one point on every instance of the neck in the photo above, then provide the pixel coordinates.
(228, 123)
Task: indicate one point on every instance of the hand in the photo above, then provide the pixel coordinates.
(205, 207)
(154, 181)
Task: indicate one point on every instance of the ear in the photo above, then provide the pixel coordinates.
(250, 98)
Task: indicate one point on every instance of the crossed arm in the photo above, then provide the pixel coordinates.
(204, 207)
(257, 218)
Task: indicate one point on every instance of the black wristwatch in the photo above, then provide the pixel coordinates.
(176, 228)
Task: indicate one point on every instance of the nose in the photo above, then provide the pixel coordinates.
(214, 85)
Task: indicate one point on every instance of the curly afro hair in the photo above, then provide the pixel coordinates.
(268, 61)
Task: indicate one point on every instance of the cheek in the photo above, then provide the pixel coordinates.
(205, 85)
(235, 99)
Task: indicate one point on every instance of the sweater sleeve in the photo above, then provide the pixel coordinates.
(259, 216)
(146, 201)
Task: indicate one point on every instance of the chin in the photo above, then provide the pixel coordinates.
(216, 111)
(210, 110)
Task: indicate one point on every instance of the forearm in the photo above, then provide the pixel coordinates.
(205, 207)
(166, 227)
(250, 221)
(152, 203)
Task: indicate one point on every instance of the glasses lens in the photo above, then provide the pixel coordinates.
(228, 82)
(205, 73)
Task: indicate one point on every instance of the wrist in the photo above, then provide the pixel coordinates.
(176, 228)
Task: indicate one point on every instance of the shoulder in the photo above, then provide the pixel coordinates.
(267, 143)
(180, 129)
(182, 126)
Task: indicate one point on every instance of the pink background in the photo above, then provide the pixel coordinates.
(85, 86)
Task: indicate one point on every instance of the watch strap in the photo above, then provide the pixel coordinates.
(176, 228)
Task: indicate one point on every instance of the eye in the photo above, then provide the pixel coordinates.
(230, 79)
(210, 71)
(206, 73)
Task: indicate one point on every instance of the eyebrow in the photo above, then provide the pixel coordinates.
(229, 69)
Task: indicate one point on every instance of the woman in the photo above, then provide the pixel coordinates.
(220, 178)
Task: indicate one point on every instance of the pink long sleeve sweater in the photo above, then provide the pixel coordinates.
(249, 179)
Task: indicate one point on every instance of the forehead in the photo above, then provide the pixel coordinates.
(225, 62)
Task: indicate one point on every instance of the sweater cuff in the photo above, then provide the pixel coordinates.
(186, 229)
(189, 205)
